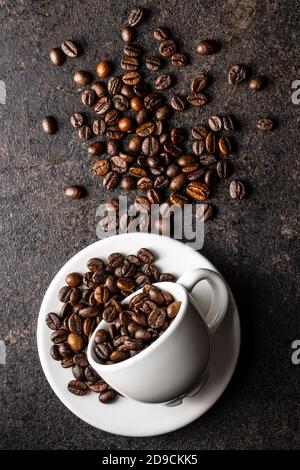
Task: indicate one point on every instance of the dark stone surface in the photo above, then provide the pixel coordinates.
(253, 243)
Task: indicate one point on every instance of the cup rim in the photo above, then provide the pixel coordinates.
(152, 347)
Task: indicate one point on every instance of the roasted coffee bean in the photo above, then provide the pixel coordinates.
(127, 183)
(131, 78)
(69, 48)
(154, 196)
(101, 294)
(57, 56)
(110, 181)
(75, 342)
(210, 142)
(125, 284)
(172, 149)
(237, 74)
(135, 16)
(112, 147)
(59, 336)
(179, 59)
(178, 136)
(199, 83)
(130, 63)
(110, 283)
(78, 373)
(143, 335)
(215, 123)
(103, 105)
(89, 324)
(134, 144)
(155, 294)
(99, 126)
(210, 177)
(85, 133)
(145, 183)
(77, 387)
(49, 125)
(75, 295)
(161, 34)
(265, 124)
(141, 90)
(139, 318)
(185, 160)
(178, 182)
(257, 83)
(88, 97)
(96, 148)
(67, 362)
(153, 101)
(152, 272)
(150, 146)
(223, 169)
(178, 103)
(54, 352)
(98, 387)
(237, 190)
(142, 116)
(198, 147)
(224, 146)
(102, 351)
(137, 172)
(118, 356)
(111, 117)
(153, 63)
(114, 132)
(172, 170)
(197, 99)
(178, 199)
(157, 318)
(89, 312)
(128, 34)
(208, 47)
(99, 88)
(101, 167)
(65, 350)
(199, 132)
(167, 48)
(101, 336)
(66, 310)
(163, 82)
(53, 321)
(167, 277)
(77, 120)
(103, 69)
(196, 175)
(145, 256)
(161, 182)
(197, 191)
(173, 309)
(127, 91)
(110, 313)
(91, 375)
(146, 129)
(128, 269)
(108, 396)
(118, 165)
(132, 50)
(64, 294)
(207, 159)
(162, 113)
(82, 78)
(204, 212)
(192, 168)
(228, 124)
(115, 260)
(142, 204)
(95, 264)
(133, 344)
(75, 323)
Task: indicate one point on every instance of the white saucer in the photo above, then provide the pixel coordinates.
(127, 417)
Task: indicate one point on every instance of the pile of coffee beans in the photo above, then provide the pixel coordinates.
(87, 299)
(144, 319)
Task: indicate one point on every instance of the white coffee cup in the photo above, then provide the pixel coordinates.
(176, 364)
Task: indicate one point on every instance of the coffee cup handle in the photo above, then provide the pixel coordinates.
(219, 299)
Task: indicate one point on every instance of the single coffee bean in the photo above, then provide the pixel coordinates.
(125, 284)
(142, 204)
(78, 373)
(224, 146)
(204, 212)
(111, 117)
(223, 169)
(119, 356)
(75, 342)
(179, 59)
(130, 63)
(67, 362)
(65, 351)
(153, 63)
(198, 191)
(85, 133)
(152, 272)
(265, 124)
(153, 101)
(136, 104)
(53, 321)
(128, 91)
(160, 34)
(54, 352)
(208, 47)
(49, 125)
(178, 199)
(198, 147)
(98, 387)
(157, 318)
(173, 309)
(150, 146)
(66, 310)
(103, 105)
(101, 336)
(140, 318)
(99, 88)
(88, 97)
(154, 196)
(207, 159)
(143, 335)
(112, 147)
(102, 351)
(141, 90)
(167, 277)
(237, 190)
(118, 165)
(257, 83)
(132, 50)
(74, 279)
(91, 375)
(178, 136)
(196, 175)
(75, 192)
(59, 336)
(108, 396)
(127, 183)
(82, 78)
(197, 99)
(210, 177)
(178, 182)
(215, 123)
(161, 182)
(142, 116)
(162, 114)
(99, 126)
(96, 148)
(237, 74)
(199, 132)
(89, 325)
(172, 149)
(101, 294)
(101, 167)
(145, 256)
(185, 160)
(199, 83)
(69, 48)
(75, 323)
(128, 34)
(210, 142)
(134, 144)
(88, 312)
(178, 103)
(77, 387)
(228, 124)
(103, 69)
(110, 181)
(113, 132)
(146, 129)
(135, 16)
(125, 124)
(192, 168)
(57, 56)
(172, 170)
(145, 183)
(77, 120)
(167, 48)
(80, 359)
(131, 78)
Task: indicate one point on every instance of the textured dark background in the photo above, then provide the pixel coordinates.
(252, 242)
